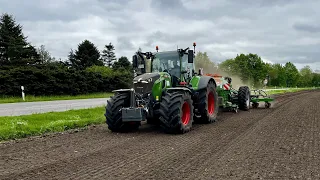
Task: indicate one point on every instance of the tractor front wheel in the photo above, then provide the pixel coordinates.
(176, 112)
(114, 115)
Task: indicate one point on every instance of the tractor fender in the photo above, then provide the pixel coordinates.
(204, 80)
(123, 90)
(178, 89)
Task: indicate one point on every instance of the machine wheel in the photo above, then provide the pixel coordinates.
(267, 105)
(244, 98)
(176, 112)
(208, 104)
(113, 113)
(255, 105)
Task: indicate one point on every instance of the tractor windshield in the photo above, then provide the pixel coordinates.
(167, 61)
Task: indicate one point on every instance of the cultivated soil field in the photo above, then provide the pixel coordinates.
(278, 143)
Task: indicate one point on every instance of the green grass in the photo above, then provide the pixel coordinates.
(287, 90)
(5, 99)
(12, 127)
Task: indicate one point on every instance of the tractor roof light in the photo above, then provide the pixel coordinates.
(157, 48)
(194, 44)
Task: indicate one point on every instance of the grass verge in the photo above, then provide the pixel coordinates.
(13, 127)
(5, 99)
(271, 92)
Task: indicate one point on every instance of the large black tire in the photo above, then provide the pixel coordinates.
(154, 119)
(208, 106)
(176, 112)
(153, 115)
(244, 98)
(113, 114)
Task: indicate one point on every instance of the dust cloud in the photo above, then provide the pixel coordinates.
(236, 80)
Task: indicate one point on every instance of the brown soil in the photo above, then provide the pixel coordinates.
(278, 143)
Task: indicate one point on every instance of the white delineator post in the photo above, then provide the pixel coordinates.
(22, 91)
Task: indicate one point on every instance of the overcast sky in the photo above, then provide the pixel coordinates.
(277, 30)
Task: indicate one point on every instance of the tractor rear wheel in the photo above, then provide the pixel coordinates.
(244, 98)
(208, 104)
(114, 115)
(176, 112)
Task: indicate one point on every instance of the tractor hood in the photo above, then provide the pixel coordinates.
(146, 78)
(144, 83)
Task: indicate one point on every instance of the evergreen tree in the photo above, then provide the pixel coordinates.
(14, 48)
(108, 55)
(85, 56)
(123, 62)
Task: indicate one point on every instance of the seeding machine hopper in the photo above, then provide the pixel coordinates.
(232, 99)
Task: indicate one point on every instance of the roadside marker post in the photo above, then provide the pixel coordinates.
(22, 91)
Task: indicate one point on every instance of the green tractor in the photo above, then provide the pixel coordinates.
(172, 95)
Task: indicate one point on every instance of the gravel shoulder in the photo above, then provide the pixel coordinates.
(277, 143)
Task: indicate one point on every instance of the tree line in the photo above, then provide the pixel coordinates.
(88, 69)
(251, 69)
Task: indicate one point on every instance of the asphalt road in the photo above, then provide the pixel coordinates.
(24, 108)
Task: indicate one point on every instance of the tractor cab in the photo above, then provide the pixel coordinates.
(178, 64)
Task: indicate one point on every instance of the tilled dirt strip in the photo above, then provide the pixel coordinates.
(281, 142)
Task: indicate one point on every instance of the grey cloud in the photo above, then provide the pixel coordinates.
(167, 4)
(279, 30)
(39, 10)
(124, 43)
(312, 28)
(264, 3)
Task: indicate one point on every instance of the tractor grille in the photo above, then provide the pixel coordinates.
(143, 88)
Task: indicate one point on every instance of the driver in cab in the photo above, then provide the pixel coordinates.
(175, 71)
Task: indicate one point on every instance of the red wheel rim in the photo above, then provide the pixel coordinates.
(185, 113)
(210, 103)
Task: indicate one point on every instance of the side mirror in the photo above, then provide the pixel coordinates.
(135, 61)
(190, 56)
